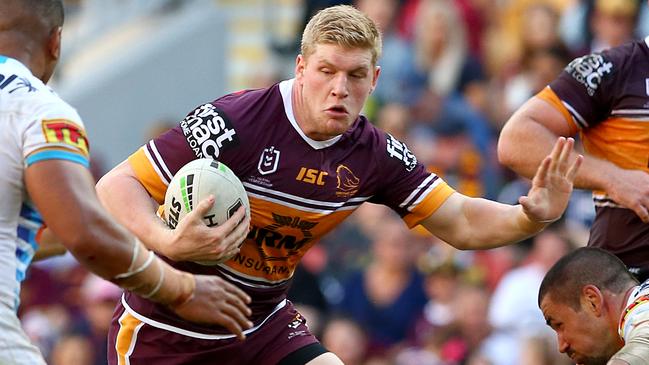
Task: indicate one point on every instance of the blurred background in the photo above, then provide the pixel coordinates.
(374, 292)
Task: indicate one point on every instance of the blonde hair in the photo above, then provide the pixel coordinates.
(342, 25)
(443, 65)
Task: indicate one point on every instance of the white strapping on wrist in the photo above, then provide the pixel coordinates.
(143, 267)
(158, 285)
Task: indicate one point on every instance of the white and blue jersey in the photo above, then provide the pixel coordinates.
(636, 312)
(35, 125)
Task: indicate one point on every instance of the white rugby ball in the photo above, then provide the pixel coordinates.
(196, 181)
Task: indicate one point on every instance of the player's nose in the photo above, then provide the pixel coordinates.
(339, 87)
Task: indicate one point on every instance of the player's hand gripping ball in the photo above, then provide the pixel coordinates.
(196, 181)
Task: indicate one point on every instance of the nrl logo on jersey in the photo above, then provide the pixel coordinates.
(589, 71)
(208, 131)
(399, 150)
(268, 161)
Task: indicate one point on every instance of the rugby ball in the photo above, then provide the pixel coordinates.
(196, 181)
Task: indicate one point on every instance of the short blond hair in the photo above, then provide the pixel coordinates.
(342, 25)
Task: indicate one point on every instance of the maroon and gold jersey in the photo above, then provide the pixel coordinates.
(299, 188)
(605, 97)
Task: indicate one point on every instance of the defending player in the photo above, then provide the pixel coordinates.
(43, 167)
(597, 309)
(307, 159)
(604, 97)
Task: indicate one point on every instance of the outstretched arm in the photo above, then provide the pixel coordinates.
(528, 136)
(475, 223)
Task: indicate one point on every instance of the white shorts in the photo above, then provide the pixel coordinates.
(15, 347)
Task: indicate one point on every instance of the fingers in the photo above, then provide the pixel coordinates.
(542, 172)
(231, 242)
(572, 171)
(232, 326)
(203, 206)
(556, 150)
(241, 231)
(239, 319)
(641, 211)
(232, 222)
(241, 295)
(218, 302)
(564, 156)
(525, 202)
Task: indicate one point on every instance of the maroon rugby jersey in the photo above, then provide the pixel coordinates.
(299, 188)
(605, 97)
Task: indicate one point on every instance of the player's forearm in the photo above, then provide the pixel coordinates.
(490, 224)
(127, 200)
(476, 224)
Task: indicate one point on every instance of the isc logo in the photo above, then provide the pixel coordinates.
(311, 176)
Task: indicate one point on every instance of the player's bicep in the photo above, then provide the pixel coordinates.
(448, 222)
(63, 192)
(539, 112)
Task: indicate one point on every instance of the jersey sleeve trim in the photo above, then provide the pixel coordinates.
(572, 117)
(632, 309)
(428, 203)
(52, 154)
(147, 173)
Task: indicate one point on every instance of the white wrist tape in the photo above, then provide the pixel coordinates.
(138, 270)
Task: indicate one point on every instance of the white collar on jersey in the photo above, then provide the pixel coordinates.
(646, 40)
(285, 88)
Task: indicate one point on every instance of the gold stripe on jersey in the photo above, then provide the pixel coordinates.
(429, 204)
(147, 175)
(126, 337)
(631, 147)
(548, 95)
(278, 238)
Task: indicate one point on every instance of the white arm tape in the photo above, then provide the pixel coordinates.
(143, 267)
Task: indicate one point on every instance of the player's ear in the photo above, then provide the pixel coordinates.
(375, 77)
(54, 43)
(300, 64)
(592, 299)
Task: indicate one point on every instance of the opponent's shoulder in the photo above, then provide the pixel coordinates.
(636, 311)
(24, 94)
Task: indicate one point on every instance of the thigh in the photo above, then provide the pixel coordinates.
(286, 339)
(285, 332)
(133, 342)
(15, 347)
(328, 358)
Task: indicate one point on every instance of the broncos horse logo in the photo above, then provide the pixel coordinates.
(347, 182)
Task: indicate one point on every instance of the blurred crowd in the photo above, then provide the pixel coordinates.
(374, 292)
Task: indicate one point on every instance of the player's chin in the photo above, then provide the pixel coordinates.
(338, 126)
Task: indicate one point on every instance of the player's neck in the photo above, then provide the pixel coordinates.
(300, 111)
(20, 49)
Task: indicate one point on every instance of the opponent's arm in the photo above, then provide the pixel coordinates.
(475, 223)
(527, 138)
(126, 199)
(64, 193)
